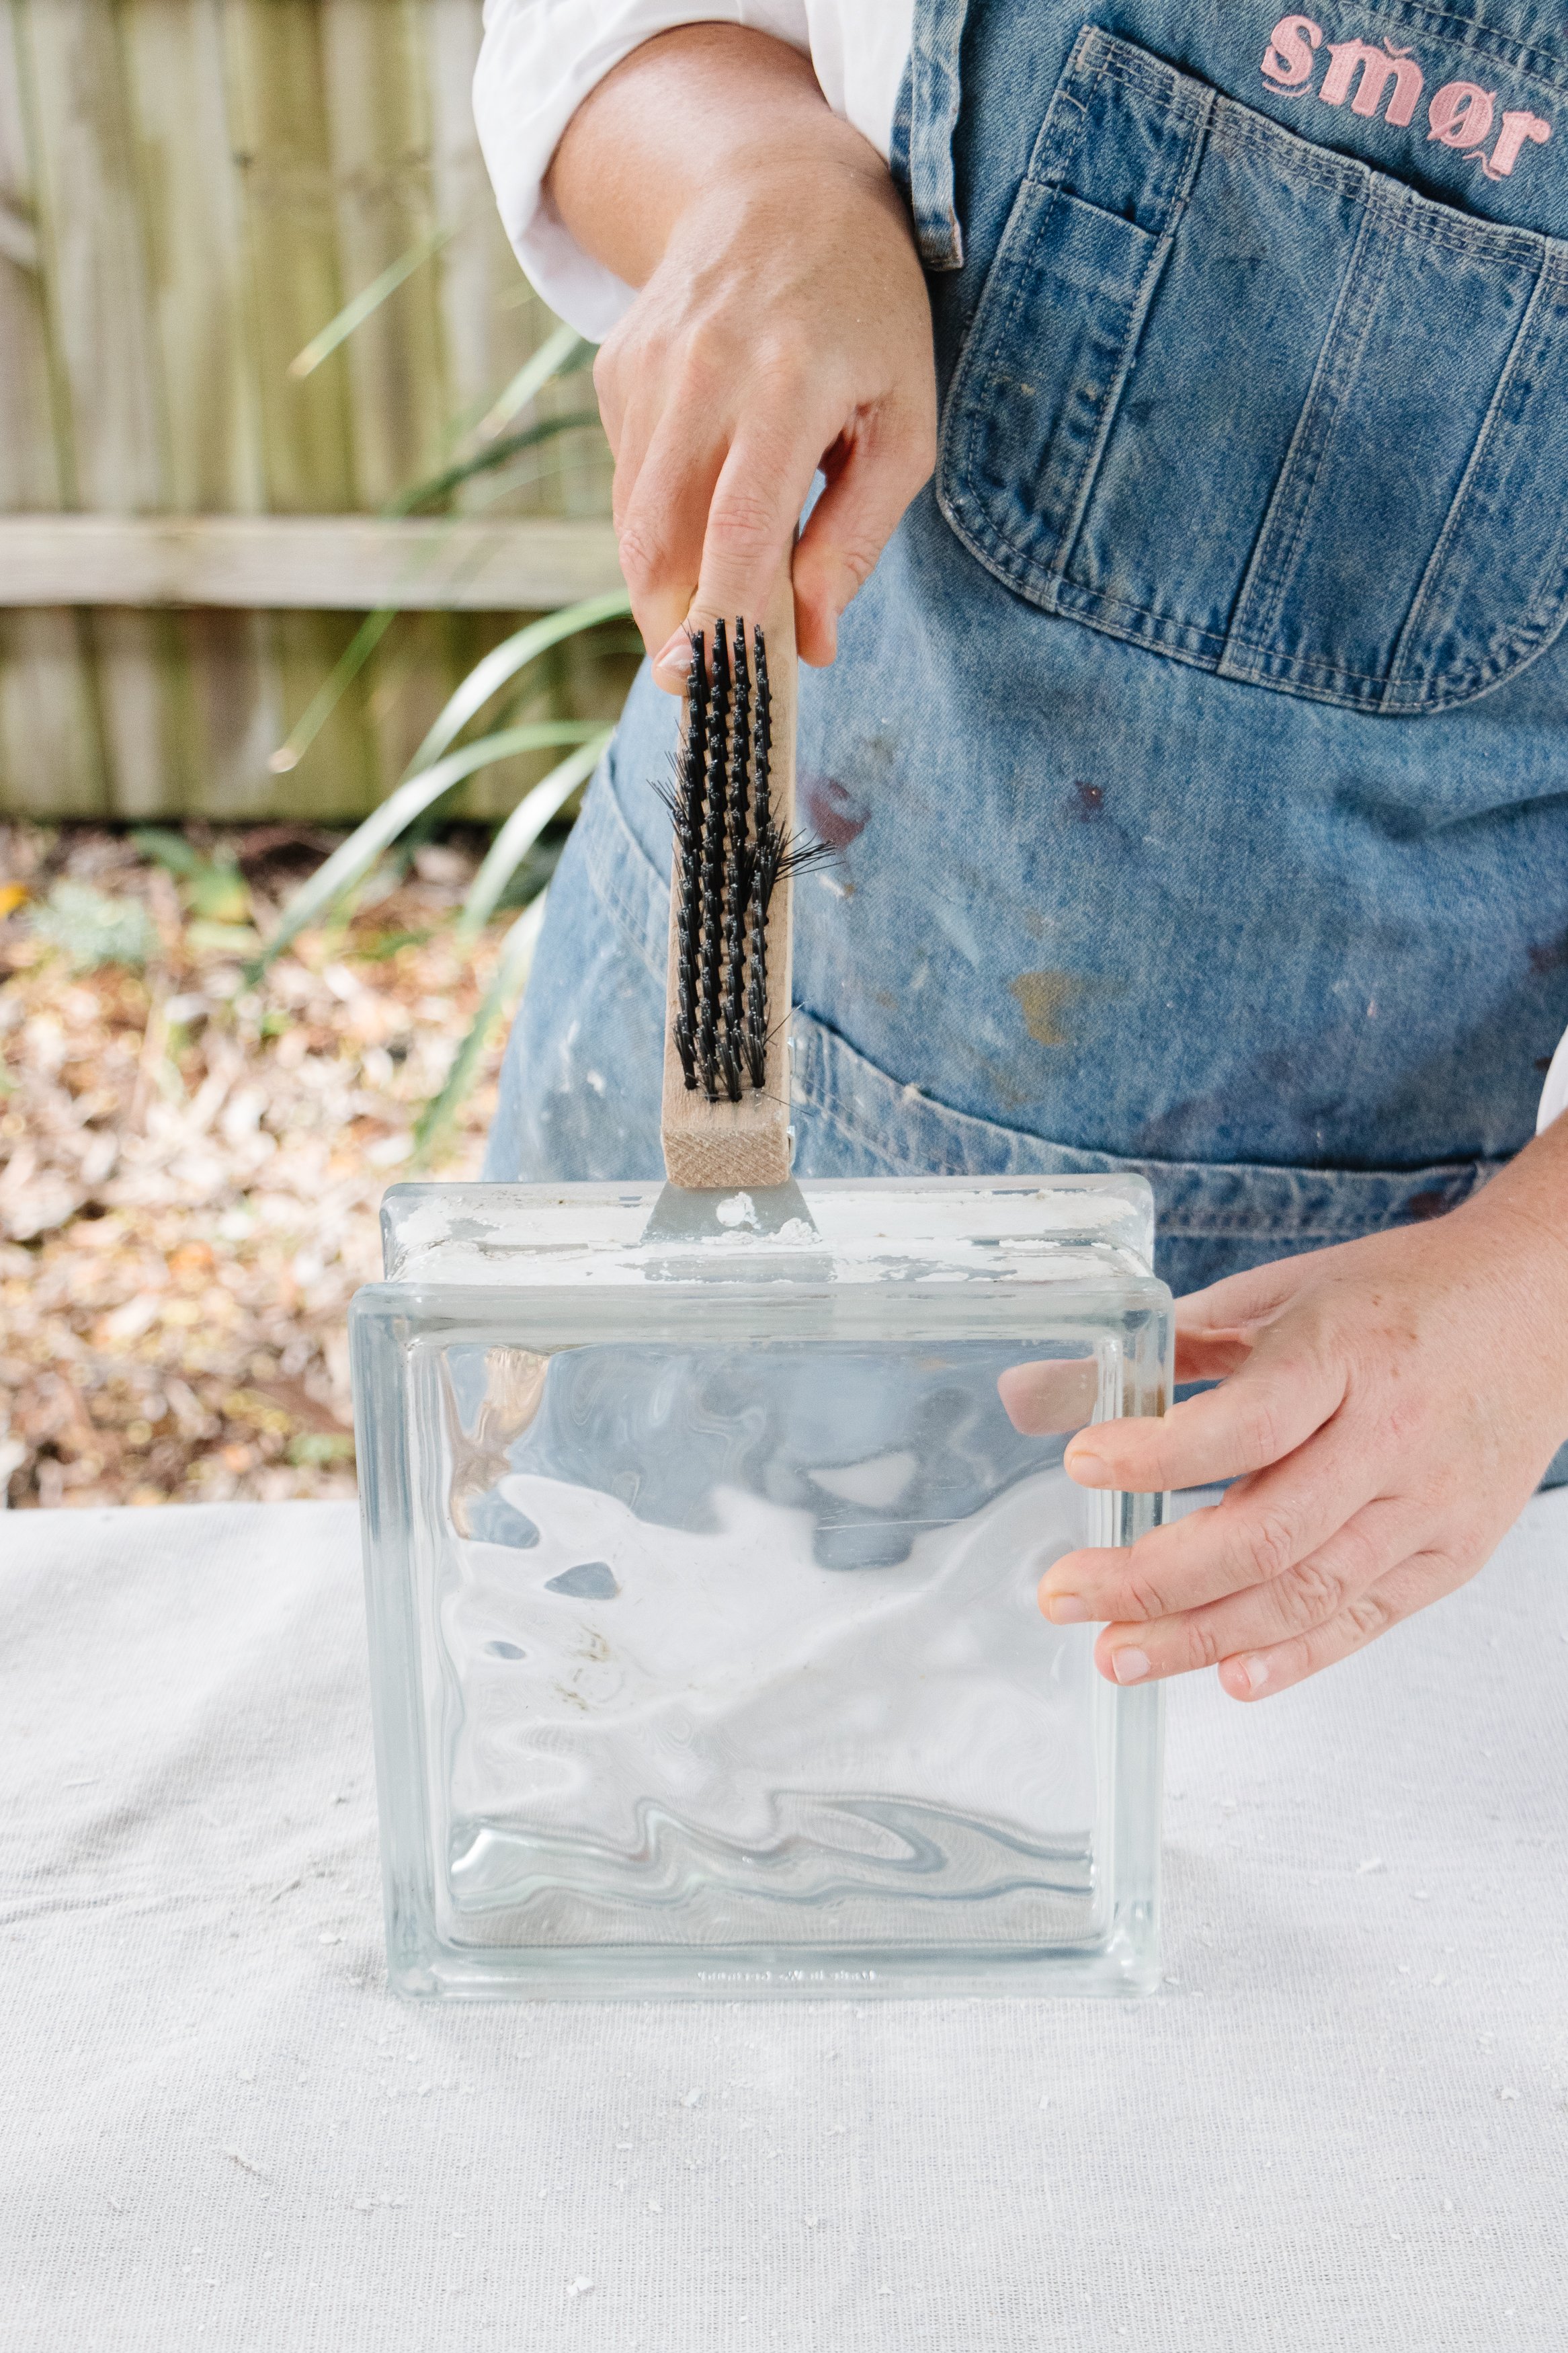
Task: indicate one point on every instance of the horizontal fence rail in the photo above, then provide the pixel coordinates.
(302, 563)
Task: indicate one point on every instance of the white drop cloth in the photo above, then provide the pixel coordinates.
(1345, 2124)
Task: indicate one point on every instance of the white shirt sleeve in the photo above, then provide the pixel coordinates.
(1554, 1093)
(540, 60)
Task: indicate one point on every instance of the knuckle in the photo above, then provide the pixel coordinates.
(1360, 1555)
(1204, 1647)
(705, 365)
(859, 559)
(781, 363)
(1144, 1598)
(741, 525)
(644, 557)
(1259, 1427)
(1269, 1546)
(1311, 1595)
(1369, 1615)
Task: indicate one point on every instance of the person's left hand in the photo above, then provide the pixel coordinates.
(1386, 1408)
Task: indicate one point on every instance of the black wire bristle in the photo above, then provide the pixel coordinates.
(710, 953)
(728, 856)
(763, 867)
(738, 861)
(687, 807)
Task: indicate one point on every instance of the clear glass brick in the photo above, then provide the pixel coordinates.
(701, 1562)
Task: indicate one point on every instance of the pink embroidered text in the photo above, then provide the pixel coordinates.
(1461, 114)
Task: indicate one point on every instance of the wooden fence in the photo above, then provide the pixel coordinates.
(190, 190)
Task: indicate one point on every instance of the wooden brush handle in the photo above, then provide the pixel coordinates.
(724, 1146)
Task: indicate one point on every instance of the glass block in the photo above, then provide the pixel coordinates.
(702, 1547)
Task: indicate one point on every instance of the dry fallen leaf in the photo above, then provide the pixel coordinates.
(190, 1171)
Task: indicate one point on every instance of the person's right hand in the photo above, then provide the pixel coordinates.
(784, 327)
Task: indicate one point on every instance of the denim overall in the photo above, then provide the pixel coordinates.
(1195, 755)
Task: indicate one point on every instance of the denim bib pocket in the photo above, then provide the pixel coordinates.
(1261, 407)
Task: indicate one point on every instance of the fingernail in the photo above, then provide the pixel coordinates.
(1130, 1666)
(1083, 1462)
(1256, 1672)
(677, 654)
(1066, 1610)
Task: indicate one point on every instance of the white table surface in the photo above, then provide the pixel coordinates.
(1344, 2124)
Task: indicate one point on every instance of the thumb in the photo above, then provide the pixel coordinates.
(873, 470)
(1218, 1328)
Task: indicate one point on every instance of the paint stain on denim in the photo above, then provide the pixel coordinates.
(1087, 802)
(832, 811)
(1043, 998)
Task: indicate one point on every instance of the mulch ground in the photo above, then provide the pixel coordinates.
(191, 1166)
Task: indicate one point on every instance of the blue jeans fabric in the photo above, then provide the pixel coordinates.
(1194, 755)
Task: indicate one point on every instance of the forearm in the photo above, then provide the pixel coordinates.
(695, 109)
(1522, 1218)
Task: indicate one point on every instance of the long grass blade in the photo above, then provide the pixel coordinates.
(552, 358)
(523, 829)
(506, 660)
(333, 688)
(451, 477)
(507, 983)
(354, 857)
(354, 314)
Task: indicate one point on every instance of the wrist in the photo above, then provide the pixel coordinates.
(1515, 1234)
(782, 194)
(687, 114)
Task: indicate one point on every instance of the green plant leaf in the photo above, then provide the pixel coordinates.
(317, 1448)
(504, 661)
(170, 851)
(483, 461)
(93, 930)
(354, 314)
(523, 829)
(218, 893)
(212, 888)
(333, 688)
(354, 857)
(507, 983)
(552, 358)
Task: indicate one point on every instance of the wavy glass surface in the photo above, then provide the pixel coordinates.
(707, 1655)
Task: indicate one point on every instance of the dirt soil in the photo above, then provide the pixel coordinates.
(190, 1167)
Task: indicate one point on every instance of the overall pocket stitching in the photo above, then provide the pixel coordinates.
(1066, 98)
(1468, 38)
(1160, 625)
(1190, 103)
(1544, 619)
(968, 410)
(1477, 459)
(965, 417)
(1110, 404)
(1055, 146)
(1238, 128)
(1321, 414)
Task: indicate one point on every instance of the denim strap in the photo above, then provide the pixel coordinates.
(927, 116)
